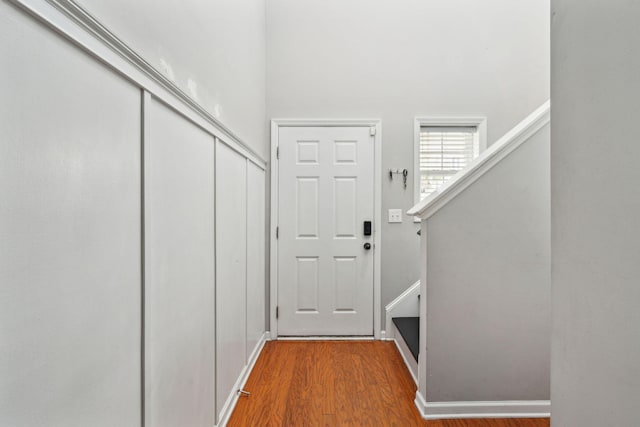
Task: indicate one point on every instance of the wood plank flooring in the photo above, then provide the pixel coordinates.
(338, 383)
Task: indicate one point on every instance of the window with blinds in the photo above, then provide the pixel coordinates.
(443, 152)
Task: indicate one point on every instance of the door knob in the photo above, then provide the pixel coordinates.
(367, 246)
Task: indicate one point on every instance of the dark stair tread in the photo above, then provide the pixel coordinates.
(409, 328)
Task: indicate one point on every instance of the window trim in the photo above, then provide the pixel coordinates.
(479, 122)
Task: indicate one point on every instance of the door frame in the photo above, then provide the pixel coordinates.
(375, 124)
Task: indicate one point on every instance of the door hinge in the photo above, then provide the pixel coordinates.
(278, 152)
(277, 312)
(372, 131)
(277, 232)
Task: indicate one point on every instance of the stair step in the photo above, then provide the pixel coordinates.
(409, 328)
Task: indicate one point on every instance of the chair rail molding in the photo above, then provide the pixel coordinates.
(80, 28)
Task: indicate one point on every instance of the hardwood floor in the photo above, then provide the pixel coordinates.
(338, 383)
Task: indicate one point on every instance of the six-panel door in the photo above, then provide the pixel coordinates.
(326, 192)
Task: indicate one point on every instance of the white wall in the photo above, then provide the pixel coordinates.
(488, 285)
(394, 60)
(214, 50)
(69, 234)
(595, 209)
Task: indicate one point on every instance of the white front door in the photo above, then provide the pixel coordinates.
(325, 260)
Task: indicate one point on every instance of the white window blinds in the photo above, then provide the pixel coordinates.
(443, 152)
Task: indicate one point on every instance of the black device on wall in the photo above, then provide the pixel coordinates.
(367, 228)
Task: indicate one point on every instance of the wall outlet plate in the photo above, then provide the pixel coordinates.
(395, 215)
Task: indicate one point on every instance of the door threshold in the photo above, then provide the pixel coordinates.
(327, 338)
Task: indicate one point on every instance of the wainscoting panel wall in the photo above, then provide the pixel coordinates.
(179, 271)
(109, 294)
(231, 270)
(256, 284)
(69, 234)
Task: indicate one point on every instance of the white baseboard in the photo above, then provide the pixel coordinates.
(421, 404)
(231, 401)
(328, 338)
(492, 409)
(411, 363)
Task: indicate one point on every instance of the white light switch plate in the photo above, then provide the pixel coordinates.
(395, 215)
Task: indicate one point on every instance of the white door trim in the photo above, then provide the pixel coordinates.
(376, 124)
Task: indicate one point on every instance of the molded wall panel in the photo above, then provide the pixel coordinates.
(71, 264)
(179, 272)
(231, 269)
(70, 275)
(256, 285)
